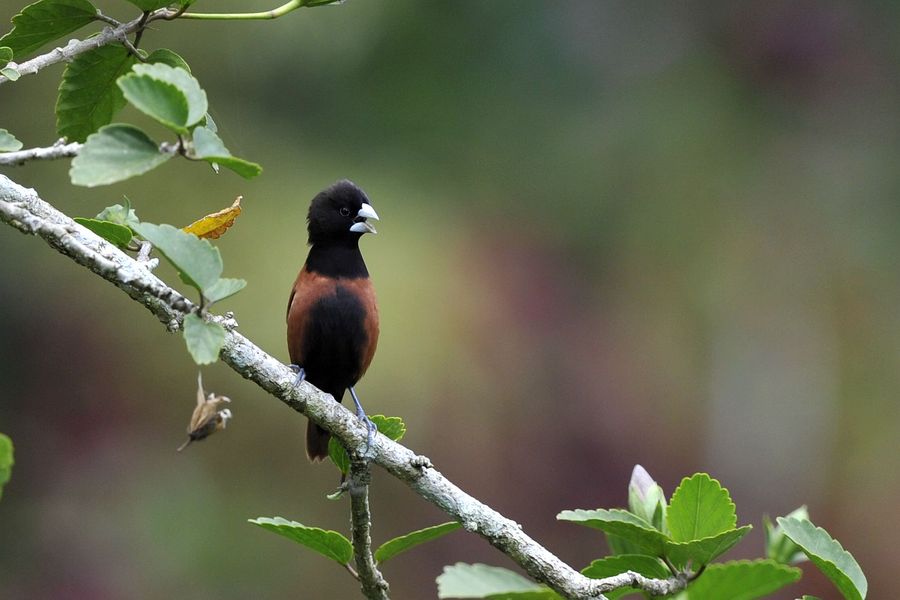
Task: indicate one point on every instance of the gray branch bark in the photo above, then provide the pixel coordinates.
(58, 150)
(23, 209)
(372, 581)
(76, 47)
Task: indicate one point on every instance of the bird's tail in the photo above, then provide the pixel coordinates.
(316, 442)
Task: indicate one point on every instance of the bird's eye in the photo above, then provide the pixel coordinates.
(345, 211)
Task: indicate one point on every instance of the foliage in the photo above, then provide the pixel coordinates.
(700, 524)
(6, 460)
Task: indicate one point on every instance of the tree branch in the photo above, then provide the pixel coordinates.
(76, 47)
(23, 209)
(373, 583)
(58, 150)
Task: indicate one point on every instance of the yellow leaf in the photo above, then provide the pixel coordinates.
(214, 225)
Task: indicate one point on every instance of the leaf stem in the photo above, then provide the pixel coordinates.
(282, 10)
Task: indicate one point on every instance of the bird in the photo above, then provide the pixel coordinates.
(332, 314)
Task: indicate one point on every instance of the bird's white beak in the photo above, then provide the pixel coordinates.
(365, 212)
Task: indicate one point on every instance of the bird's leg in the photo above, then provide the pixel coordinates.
(361, 414)
(301, 374)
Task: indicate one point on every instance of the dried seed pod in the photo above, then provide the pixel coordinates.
(207, 418)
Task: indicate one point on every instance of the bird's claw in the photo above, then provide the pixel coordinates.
(301, 374)
(370, 426)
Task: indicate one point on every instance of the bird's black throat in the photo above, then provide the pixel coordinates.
(337, 259)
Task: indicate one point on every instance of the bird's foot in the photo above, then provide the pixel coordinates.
(301, 373)
(370, 426)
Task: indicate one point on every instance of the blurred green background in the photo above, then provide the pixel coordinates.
(611, 233)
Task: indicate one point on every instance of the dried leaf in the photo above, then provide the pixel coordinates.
(214, 225)
(207, 418)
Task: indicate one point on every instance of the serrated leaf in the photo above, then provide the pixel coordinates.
(156, 99)
(401, 544)
(327, 543)
(88, 95)
(828, 555)
(182, 79)
(481, 581)
(204, 339)
(209, 147)
(119, 235)
(700, 508)
(10, 73)
(46, 21)
(115, 153)
(700, 552)
(6, 55)
(620, 523)
(198, 262)
(224, 288)
(8, 142)
(150, 5)
(6, 460)
(742, 580)
(213, 225)
(391, 427)
(648, 566)
(167, 57)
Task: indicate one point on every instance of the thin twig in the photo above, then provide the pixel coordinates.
(141, 28)
(280, 11)
(58, 150)
(24, 210)
(371, 580)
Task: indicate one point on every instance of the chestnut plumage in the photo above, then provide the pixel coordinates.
(332, 315)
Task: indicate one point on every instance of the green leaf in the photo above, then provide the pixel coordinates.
(115, 153)
(157, 99)
(198, 262)
(10, 73)
(204, 339)
(45, 21)
(620, 523)
(151, 88)
(150, 5)
(6, 55)
(88, 95)
(779, 547)
(401, 544)
(742, 580)
(808, 597)
(327, 543)
(209, 147)
(700, 508)
(167, 57)
(828, 555)
(481, 581)
(119, 235)
(224, 288)
(391, 427)
(120, 215)
(648, 566)
(8, 142)
(700, 552)
(6, 460)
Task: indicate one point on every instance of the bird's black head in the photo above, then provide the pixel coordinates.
(339, 213)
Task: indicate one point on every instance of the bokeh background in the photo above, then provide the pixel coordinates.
(612, 233)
